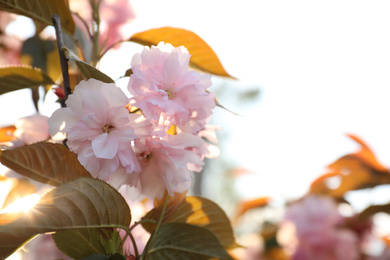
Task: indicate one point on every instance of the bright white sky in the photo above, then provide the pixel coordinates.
(323, 69)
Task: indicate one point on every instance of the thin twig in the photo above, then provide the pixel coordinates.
(63, 60)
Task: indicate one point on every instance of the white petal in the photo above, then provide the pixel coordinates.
(104, 147)
(61, 121)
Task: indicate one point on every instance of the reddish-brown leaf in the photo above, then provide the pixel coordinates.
(44, 162)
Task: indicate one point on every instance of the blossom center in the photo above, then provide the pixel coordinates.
(146, 156)
(107, 128)
(169, 93)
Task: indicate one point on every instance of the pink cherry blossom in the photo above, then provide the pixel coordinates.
(164, 164)
(31, 129)
(10, 44)
(99, 128)
(317, 232)
(207, 149)
(167, 92)
(113, 14)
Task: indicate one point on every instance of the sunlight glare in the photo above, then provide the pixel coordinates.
(23, 204)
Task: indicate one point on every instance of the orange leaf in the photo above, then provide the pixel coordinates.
(202, 55)
(319, 186)
(356, 171)
(6, 133)
(244, 206)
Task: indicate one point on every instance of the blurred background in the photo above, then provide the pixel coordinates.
(308, 72)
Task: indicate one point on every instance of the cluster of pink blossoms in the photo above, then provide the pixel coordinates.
(134, 152)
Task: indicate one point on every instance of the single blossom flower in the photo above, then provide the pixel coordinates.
(99, 128)
(167, 92)
(163, 167)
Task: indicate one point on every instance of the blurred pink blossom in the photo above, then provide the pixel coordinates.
(31, 129)
(317, 232)
(42, 247)
(10, 45)
(167, 92)
(99, 128)
(113, 15)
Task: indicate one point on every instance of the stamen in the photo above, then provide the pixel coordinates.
(107, 128)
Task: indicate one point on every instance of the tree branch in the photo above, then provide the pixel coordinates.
(63, 60)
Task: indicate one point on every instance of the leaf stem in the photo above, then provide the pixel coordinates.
(157, 227)
(142, 221)
(128, 234)
(63, 60)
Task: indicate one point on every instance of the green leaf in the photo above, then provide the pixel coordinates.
(105, 257)
(202, 55)
(97, 257)
(19, 77)
(9, 243)
(42, 11)
(184, 241)
(87, 70)
(83, 203)
(203, 213)
(44, 162)
(81, 243)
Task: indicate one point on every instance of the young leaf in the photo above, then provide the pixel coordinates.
(184, 241)
(200, 212)
(42, 11)
(44, 162)
(83, 203)
(87, 70)
(19, 77)
(202, 55)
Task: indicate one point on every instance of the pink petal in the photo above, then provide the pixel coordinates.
(104, 147)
